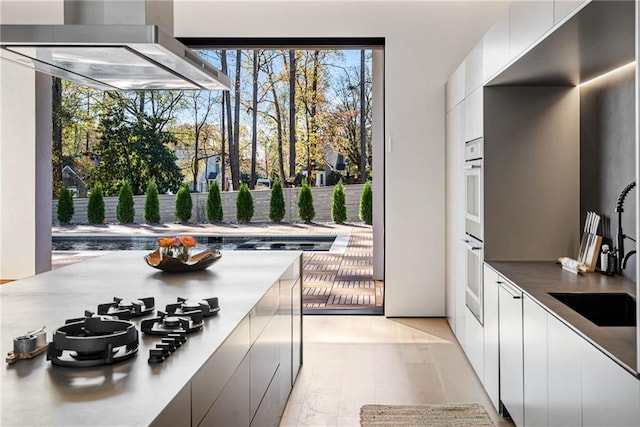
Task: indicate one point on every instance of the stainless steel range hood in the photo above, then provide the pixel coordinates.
(112, 45)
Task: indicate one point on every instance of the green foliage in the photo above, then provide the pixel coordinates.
(135, 152)
(214, 203)
(65, 206)
(305, 203)
(333, 178)
(184, 204)
(276, 204)
(338, 204)
(152, 203)
(366, 204)
(125, 212)
(244, 204)
(95, 206)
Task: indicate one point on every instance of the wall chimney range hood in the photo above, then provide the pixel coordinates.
(112, 45)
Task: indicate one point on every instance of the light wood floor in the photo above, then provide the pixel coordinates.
(350, 361)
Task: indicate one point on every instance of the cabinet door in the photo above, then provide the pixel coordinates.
(454, 206)
(296, 329)
(473, 115)
(231, 409)
(565, 374)
(454, 88)
(491, 336)
(475, 343)
(473, 70)
(530, 19)
(535, 363)
(511, 357)
(461, 307)
(610, 394)
(495, 50)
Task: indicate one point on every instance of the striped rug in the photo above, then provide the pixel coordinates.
(451, 415)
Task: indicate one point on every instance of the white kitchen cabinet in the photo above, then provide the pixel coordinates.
(474, 343)
(528, 22)
(562, 8)
(473, 70)
(461, 306)
(534, 340)
(454, 88)
(610, 394)
(473, 115)
(491, 378)
(495, 47)
(511, 357)
(564, 374)
(454, 228)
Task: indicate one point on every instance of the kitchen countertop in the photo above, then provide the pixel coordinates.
(537, 279)
(131, 392)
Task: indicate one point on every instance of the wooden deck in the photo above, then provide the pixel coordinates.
(343, 282)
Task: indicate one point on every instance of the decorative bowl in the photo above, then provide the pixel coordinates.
(197, 262)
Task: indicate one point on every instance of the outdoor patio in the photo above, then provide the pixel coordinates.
(333, 282)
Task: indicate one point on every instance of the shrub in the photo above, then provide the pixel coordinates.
(244, 204)
(95, 206)
(276, 204)
(152, 204)
(125, 212)
(338, 204)
(333, 178)
(184, 204)
(65, 206)
(214, 203)
(305, 203)
(366, 204)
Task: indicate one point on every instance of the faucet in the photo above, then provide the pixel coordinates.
(622, 257)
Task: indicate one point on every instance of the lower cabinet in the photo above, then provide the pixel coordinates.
(491, 379)
(564, 374)
(534, 340)
(474, 343)
(232, 408)
(511, 353)
(610, 394)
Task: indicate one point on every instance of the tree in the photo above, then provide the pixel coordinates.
(244, 204)
(338, 204)
(200, 105)
(65, 206)
(292, 112)
(254, 116)
(56, 149)
(152, 203)
(234, 146)
(277, 116)
(305, 203)
(276, 203)
(125, 211)
(366, 204)
(214, 203)
(184, 204)
(95, 206)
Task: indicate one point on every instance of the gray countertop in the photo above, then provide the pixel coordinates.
(132, 392)
(537, 279)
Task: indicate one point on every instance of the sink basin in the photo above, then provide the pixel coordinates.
(610, 309)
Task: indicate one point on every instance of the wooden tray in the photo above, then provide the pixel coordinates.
(197, 262)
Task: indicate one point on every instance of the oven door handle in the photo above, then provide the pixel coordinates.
(470, 245)
(470, 167)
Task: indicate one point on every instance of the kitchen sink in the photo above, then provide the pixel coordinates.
(603, 309)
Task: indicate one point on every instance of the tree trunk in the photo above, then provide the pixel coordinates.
(278, 119)
(313, 127)
(363, 132)
(57, 135)
(254, 131)
(234, 151)
(223, 137)
(227, 97)
(292, 113)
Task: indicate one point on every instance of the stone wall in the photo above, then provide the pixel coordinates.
(321, 203)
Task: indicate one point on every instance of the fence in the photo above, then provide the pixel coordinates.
(261, 198)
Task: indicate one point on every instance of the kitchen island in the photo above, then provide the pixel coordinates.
(239, 369)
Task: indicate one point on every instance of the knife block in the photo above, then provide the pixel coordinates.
(593, 252)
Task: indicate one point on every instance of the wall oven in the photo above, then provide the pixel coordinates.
(473, 227)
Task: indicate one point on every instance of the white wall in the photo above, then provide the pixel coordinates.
(424, 42)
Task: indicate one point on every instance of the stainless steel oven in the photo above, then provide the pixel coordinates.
(474, 286)
(474, 207)
(473, 188)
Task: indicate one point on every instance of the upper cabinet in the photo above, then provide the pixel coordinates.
(454, 89)
(562, 8)
(495, 47)
(473, 70)
(529, 21)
